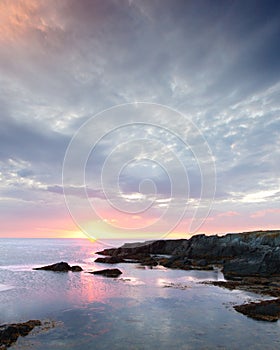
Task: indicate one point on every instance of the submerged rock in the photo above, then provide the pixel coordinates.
(268, 310)
(9, 333)
(60, 267)
(108, 272)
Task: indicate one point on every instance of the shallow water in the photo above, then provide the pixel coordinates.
(143, 309)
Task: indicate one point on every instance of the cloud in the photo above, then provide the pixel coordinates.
(217, 63)
(262, 213)
(81, 192)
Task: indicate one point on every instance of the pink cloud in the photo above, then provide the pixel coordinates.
(228, 214)
(265, 212)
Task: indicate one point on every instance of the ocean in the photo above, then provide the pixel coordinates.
(145, 308)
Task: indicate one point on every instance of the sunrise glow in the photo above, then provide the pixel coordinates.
(63, 63)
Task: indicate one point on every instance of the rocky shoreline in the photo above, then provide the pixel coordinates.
(239, 255)
(250, 261)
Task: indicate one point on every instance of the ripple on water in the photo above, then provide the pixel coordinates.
(4, 287)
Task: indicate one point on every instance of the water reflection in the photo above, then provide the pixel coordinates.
(135, 311)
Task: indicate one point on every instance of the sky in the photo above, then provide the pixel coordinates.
(139, 118)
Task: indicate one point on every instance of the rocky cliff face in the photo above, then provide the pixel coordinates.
(243, 254)
(167, 247)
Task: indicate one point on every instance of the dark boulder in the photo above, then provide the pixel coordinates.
(9, 333)
(60, 267)
(110, 260)
(107, 272)
(76, 268)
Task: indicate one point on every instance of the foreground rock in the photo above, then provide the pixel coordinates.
(268, 310)
(107, 272)
(9, 333)
(258, 285)
(60, 267)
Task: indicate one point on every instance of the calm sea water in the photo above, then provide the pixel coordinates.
(143, 309)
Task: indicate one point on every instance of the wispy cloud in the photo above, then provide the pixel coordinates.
(217, 63)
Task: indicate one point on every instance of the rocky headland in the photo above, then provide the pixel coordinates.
(239, 255)
(248, 260)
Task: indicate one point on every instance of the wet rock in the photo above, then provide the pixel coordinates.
(108, 272)
(268, 310)
(60, 267)
(110, 260)
(185, 264)
(174, 262)
(9, 333)
(149, 261)
(76, 268)
(225, 284)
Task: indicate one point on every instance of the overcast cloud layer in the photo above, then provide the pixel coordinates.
(215, 62)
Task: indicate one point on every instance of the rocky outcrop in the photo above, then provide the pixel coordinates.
(108, 272)
(60, 267)
(9, 333)
(250, 261)
(245, 254)
(268, 310)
